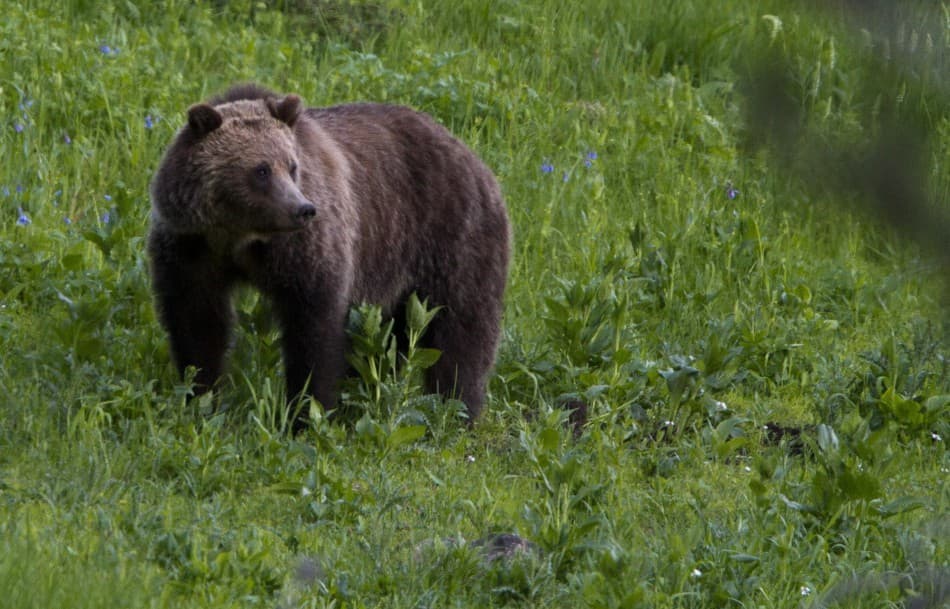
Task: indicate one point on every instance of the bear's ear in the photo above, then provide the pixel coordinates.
(203, 119)
(286, 110)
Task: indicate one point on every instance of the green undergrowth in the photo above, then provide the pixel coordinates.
(729, 223)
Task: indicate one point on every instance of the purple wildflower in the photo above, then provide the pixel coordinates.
(547, 167)
(67, 139)
(590, 158)
(149, 122)
(67, 220)
(106, 217)
(19, 189)
(107, 197)
(731, 191)
(23, 219)
(565, 177)
(18, 127)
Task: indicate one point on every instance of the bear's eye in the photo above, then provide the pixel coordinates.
(262, 171)
(293, 171)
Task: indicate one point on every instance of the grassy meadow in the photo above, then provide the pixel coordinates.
(730, 225)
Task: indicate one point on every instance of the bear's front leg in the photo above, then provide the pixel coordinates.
(314, 347)
(192, 298)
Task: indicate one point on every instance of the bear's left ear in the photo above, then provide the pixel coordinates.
(203, 119)
(286, 110)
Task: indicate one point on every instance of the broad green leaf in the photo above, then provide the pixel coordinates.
(406, 435)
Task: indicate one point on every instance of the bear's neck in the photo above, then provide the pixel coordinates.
(244, 251)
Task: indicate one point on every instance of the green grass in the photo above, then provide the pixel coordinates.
(714, 269)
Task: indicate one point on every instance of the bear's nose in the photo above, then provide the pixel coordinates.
(306, 211)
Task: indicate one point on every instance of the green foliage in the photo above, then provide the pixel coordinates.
(387, 377)
(387, 388)
(687, 269)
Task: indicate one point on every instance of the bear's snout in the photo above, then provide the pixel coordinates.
(305, 211)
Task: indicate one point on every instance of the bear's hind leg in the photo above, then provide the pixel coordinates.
(467, 340)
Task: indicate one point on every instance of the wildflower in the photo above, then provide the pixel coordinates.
(107, 50)
(805, 590)
(696, 573)
(107, 197)
(565, 177)
(106, 217)
(19, 189)
(590, 158)
(149, 122)
(470, 458)
(547, 167)
(26, 104)
(67, 139)
(935, 437)
(23, 219)
(18, 127)
(731, 191)
(67, 220)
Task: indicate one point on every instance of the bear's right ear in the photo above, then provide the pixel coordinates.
(203, 119)
(286, 110)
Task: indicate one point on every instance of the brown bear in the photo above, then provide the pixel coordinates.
(321, 209)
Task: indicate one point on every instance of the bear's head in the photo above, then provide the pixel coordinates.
(235, 169)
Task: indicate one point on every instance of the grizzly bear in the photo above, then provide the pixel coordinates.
(320, 209)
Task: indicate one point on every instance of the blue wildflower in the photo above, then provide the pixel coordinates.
(18, 127)
(67, 139)
(590, 158)
(67, 220)
(57, 193)
(19, 189)
(149, 122)
(547, 167)
(731, 191)
(24, 219)
(106, 217)
(565, 177)
(107, 50)
(107, 197)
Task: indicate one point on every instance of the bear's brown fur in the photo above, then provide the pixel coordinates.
(320, 209)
